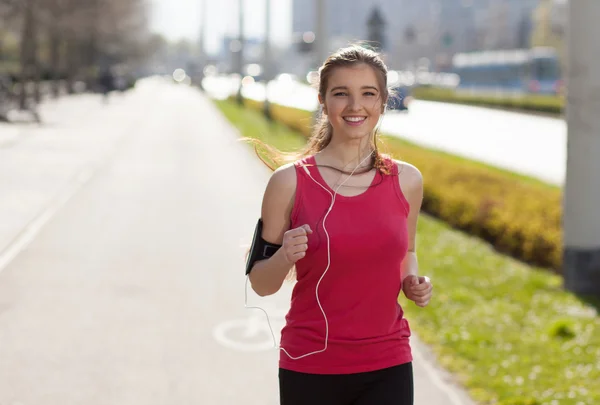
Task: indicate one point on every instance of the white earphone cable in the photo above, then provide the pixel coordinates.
(322, 276)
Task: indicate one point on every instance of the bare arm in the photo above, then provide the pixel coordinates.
(411, 183)
(267, 276)
(415, 288)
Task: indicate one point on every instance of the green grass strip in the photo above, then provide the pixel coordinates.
(532, 103)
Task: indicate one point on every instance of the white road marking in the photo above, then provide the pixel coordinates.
(31, 231)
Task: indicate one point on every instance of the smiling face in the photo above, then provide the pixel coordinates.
(353, 101)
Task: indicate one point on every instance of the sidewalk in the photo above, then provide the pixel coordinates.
(38, 163)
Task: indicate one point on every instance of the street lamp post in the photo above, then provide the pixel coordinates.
(321, 32)
(201, 45)
(240, 53)
(267, 60)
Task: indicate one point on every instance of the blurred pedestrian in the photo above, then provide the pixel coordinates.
(107, 83)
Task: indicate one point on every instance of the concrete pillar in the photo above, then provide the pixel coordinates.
(582, 189)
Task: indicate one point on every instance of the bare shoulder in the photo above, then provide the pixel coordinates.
(411, 180)
(409, 174)
(283, 180)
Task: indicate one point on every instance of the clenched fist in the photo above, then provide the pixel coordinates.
(295, 243)
(417, 289)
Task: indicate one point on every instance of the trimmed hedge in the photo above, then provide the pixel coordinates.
(294, 118)
(300, 120)
(534, 103)
(518, 216)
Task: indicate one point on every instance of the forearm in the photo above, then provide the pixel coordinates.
(268, 275)
(410, 265)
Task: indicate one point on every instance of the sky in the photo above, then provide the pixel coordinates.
(177, 19)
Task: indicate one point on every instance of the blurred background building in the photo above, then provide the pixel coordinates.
(434, 29)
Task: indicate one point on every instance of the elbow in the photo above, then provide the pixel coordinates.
(263, 292)
(262, 289)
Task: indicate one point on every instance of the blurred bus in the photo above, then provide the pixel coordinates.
(509, 72)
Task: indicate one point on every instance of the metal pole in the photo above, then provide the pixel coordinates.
(321, 41)
(240, 54)
(267, 60)
(201, 43)
(202, 39)
(268, 69)
(582, 189)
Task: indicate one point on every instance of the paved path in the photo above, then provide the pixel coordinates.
(121, 273)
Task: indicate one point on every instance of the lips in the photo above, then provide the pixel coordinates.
(355, 121)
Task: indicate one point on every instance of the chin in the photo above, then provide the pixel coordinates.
(361, 135)
(358, 133)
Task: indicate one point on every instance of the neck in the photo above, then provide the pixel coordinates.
(348, 155)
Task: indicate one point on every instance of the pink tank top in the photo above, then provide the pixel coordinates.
(359, 294)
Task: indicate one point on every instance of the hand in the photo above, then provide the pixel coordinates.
(295, 243)
(417, 289)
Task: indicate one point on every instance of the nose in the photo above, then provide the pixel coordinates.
(354, 104)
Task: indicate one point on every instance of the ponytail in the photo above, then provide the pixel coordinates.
(321, 137)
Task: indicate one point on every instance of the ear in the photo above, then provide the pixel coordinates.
(322, 103)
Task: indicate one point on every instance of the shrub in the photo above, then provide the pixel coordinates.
(535, 103)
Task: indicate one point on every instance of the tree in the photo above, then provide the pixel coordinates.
(72, 38)
(376, 29)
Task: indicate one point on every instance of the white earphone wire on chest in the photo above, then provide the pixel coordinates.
(333, 195)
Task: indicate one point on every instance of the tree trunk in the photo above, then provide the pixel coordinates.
(55, 60)
(71, 62)
(27, 51)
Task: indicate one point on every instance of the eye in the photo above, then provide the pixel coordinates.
(369, 93)
(340, 94)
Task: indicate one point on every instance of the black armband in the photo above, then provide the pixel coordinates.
(260, 249)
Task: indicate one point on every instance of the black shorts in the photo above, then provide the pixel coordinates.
(390, 386)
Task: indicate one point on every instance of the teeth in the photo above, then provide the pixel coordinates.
(354, 119)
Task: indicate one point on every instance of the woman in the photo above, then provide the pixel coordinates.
(345, 217)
